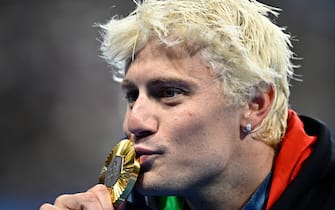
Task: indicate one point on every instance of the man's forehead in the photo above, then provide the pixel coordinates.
(156, 48)
(157, 61)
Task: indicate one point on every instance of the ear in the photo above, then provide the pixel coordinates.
(258, 107)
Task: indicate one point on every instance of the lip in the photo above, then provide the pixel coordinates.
(146, 156)
(143, 151)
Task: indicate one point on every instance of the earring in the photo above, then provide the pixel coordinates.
(248, 128)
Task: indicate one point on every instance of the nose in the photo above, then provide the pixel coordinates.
(140, 120)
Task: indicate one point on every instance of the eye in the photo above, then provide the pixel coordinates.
(168, 92)
(171, 96)
(131, 96)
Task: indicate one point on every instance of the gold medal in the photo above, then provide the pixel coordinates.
(120, 171)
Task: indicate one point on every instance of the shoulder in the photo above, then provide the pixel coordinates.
(314, 186)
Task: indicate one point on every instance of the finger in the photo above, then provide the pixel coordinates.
(48, 206)
(103, 195)
(105, 198)
(79, 201)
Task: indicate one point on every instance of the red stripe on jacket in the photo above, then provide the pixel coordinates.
(295, 148)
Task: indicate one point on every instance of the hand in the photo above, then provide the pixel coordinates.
(96, 198)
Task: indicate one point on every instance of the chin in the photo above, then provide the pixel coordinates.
(149, 188)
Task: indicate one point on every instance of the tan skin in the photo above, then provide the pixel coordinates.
(187, 136)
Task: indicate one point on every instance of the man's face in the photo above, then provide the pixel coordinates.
(185, 134)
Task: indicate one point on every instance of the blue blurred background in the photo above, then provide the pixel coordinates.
(60, 111)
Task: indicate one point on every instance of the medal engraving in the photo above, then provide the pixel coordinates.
(113, 172)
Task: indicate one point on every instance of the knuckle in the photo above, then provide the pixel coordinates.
(46, 206)
(98, 187)
(61, 198)
(89, 197)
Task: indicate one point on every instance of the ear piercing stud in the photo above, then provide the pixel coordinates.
(248, 128)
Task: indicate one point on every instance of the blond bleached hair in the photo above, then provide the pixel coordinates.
(248, 51)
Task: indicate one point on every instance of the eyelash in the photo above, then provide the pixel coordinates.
(164, 94)
(168, 92)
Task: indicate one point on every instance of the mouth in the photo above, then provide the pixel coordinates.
(143, 151)
(146, 157)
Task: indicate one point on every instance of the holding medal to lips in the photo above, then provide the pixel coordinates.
(185, 134)
(207, 88)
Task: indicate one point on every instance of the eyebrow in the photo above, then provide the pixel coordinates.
(128, 84)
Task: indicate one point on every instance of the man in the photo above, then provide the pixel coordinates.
(207, 90)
